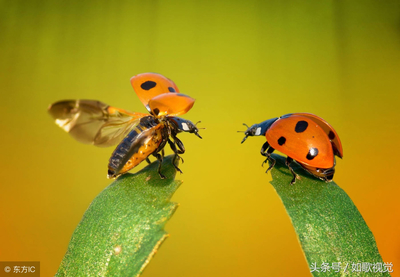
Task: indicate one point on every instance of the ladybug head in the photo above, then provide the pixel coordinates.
(258, 129)
(251, 131)
(184, 125)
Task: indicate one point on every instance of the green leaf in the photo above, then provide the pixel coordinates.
(124, 226)
(328, 225)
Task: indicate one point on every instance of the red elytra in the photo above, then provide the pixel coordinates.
(303, 137)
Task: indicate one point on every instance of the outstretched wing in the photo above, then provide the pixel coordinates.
(93, 122)
(149, 85)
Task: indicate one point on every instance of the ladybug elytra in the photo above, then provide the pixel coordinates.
(303, 137)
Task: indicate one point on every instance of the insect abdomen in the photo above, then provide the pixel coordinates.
(135, 147)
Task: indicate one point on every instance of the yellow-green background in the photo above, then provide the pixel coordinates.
(244, 61)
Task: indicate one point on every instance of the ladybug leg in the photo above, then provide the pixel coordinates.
(181, 150)
(176, 156)
(148, 160)
(179, 143)
(295, 176)
(266, 151)
(181, 147)
(160, 159)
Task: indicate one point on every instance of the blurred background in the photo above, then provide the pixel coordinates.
(244, 62)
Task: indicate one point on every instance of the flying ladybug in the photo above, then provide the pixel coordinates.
(139, 135)
(303, 137)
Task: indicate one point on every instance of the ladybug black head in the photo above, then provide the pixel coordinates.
(184, 125)
(259, 129)
(251, 131)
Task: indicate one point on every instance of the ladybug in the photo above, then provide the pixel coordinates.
(303, 137)
(139, 135)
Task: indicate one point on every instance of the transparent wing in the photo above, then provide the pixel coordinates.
(93, 122)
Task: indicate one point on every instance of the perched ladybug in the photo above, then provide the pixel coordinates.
(303, 137)
(139, 135)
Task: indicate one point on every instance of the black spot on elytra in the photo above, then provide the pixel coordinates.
(331, 135)
(281, 141)
(312, 153)
(156, 111)
(301, 126)
(171, 89)
(148, 85)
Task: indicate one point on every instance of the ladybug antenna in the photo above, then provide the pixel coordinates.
(196, 133)
(244, 131)
(199, 128)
